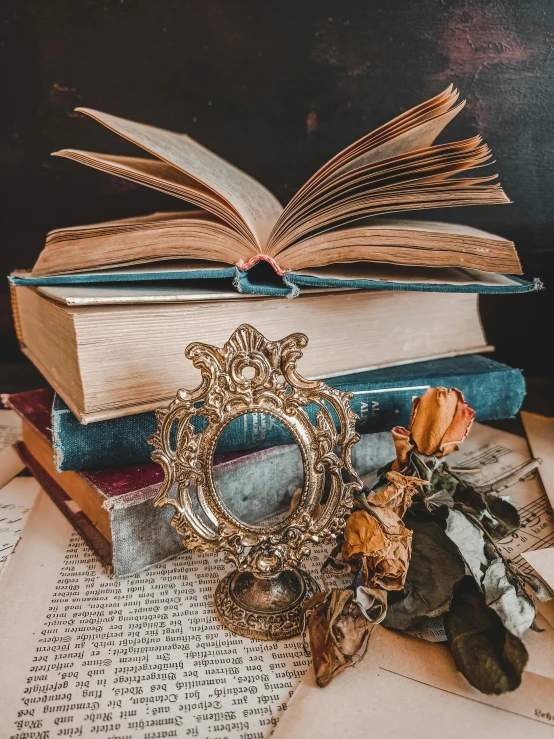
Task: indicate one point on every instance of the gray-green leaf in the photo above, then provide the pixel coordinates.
(470, 542)
(514, 607)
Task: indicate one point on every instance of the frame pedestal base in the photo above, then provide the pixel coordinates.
(264, 608)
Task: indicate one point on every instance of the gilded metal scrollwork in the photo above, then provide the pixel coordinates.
(250, 374)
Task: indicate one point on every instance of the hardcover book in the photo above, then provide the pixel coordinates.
(338, 230)
(113, 508)
(381, 399)
(116, 350)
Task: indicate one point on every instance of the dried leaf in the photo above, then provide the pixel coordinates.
(513, 606)
(470, 542)
(435, 567)
(372, 602)
(438, 499)
(382, 542)
(504, 513)
(496, 513)
(489, 656)
(440, 420)
(339, 631)
(398, 493)
(540, 588)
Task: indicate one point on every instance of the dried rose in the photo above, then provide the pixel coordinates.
(340, 623)
(382, 543)
(398, 494)
(440, 420)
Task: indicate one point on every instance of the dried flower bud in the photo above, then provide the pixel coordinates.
(440, 420)
(398, 494)
(383, 544)
(339, 626)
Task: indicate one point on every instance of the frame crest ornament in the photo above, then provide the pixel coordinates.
(263, 597)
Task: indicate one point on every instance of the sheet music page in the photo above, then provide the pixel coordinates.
(139, 657)
(16, 500)
(491, 453)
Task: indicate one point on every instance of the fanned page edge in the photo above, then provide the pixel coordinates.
(434, 233)
(135, 169)
(443, 102)
(425, 192)
(190, 235)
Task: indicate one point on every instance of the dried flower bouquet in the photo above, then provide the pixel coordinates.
(422, 543)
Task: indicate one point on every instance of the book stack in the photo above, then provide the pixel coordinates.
(390, 306)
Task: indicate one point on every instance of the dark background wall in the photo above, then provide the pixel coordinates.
(277, 88)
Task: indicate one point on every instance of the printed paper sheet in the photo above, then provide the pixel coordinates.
(139, 657)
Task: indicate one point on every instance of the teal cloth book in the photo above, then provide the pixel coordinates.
(382, 399)
(344, 228)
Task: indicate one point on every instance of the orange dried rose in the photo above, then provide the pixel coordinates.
(440, 420)
(383, 544)
(398, 494)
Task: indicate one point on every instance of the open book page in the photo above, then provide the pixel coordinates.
(136, 656)
(253, 202)
(394, 145)
(410, 242)
(392, 169)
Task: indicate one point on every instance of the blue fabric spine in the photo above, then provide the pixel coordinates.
(290, 285)
(382, 399)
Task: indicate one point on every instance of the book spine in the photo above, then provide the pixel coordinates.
(16, 316)
(494, 395)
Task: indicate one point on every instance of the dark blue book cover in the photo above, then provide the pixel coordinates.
(381, 398)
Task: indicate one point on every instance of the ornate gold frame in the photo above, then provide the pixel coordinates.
(263, 597)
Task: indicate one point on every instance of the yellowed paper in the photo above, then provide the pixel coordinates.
(540, 433)
(16, 500)
(10, 432)
(141, 657)
(542, 561)
(408, 688)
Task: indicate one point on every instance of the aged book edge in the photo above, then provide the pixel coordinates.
(92, 536)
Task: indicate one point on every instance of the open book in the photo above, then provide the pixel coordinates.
(341, 215)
